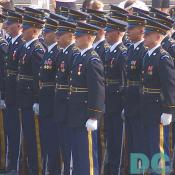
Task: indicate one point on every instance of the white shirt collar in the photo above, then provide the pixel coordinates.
(64, 50)
(85, 50)
(115, 45)
(137, 44)
(30, 42)
(7, 35)
(152, 50)
(98, 42)
(51, 46)
(15, 38)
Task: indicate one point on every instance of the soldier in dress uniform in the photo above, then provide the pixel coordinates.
(30, 59)
(157, 98)
(101, 47)
(115, 72)
(14, 22)
(135, 55)
(46, 100)
(100, 44)
(120, 14)
(3, 53)
(40, 15)
(66, 40)
(86, 101)
(168, 44)
(5, 27)
(2, 20)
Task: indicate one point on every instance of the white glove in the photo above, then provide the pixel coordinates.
(36, 108)
(91, 125)
(166, 119)
(2, 104)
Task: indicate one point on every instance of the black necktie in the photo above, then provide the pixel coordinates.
(131, 50)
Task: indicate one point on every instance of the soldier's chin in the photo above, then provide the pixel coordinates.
(146, 44)
(77, 44)
(25, 38)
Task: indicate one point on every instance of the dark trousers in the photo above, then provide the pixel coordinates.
(172, 143)
(172, 138)
(84, 151)
(65, 146)
(114, 141)
(50, 147)
(12, 127)
(30, 127)
(101, 142)
(134, 130)
(3, 142)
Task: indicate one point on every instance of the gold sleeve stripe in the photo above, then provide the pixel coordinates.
(161, 146)
(95, 110)
(38, 143)
(91, 161)
(169, 106)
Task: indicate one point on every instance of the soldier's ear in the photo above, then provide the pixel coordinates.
(93, 38)
(159, 36)
(36, 31)
(19, 25)
(142, 30)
